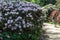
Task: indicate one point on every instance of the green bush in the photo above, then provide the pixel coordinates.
(20, 21)
(46, 10)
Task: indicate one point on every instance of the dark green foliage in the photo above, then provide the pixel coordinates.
(46, 2)
(28, 0)
(16, 36)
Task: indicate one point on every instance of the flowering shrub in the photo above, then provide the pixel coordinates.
(20, 21)
(55, 14)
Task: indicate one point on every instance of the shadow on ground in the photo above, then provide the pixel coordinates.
(43, 36)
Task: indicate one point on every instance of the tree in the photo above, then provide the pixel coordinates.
(58, 3)
(45, 2)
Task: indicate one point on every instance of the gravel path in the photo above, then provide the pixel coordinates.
(50, 32)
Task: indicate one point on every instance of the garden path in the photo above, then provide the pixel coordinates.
(50, 32)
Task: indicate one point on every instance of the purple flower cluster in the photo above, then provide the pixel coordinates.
(19, 15)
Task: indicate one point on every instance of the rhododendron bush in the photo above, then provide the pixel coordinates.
(20, 21)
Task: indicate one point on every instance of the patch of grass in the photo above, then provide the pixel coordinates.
(53, 23)
(59, 24)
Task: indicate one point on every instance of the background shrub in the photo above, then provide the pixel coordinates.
(46, 10)
(20, 21)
